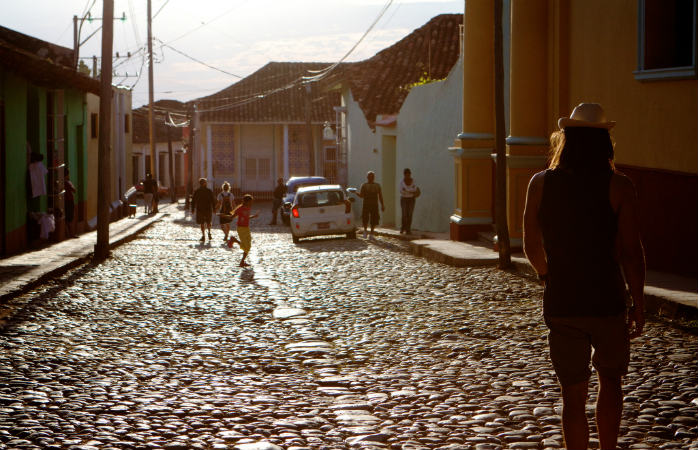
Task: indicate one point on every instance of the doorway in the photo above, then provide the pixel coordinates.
(257, 174)
(388, 181)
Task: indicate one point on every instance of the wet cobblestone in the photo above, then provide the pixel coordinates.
(328, 344)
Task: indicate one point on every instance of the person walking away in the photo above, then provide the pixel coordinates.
(69, 203)
(243, 213)
(371, 193)
(203, 202)
(225, 203)
(408, 194)
(582, 237)
(148, 190)
(277, 199)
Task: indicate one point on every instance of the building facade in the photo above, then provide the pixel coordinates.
(268, 125)
(635, 57)
(43, 118)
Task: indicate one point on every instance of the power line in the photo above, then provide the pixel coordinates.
(158, 11)
(203, 24)
(320, 74)
(162, 44)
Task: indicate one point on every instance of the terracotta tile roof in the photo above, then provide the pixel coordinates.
(41, 62)
(380, 84)
(272, 94)
(141, 134)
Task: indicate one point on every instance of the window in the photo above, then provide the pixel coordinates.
(666, 39)
(127, 123)
(93, 126)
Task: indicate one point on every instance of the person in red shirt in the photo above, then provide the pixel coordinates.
(243, 213)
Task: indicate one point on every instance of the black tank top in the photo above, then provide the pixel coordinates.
(579, 230)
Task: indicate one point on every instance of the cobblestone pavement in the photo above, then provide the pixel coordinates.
(329, 344)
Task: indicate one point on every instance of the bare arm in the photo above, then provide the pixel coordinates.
(631, 254)
(380, 197)
(533, 236)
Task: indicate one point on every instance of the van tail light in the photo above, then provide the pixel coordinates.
(295, 213)
(347, 206)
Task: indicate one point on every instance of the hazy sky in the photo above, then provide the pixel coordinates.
(236, 36)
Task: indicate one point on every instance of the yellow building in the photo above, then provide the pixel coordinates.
(637, 58)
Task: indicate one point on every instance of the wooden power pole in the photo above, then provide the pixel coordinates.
(104, 156)
(309, 130)
(170, 157)
(150, 89)
(499, 143)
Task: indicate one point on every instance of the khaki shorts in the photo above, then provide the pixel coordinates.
(571, 342)
(245, 238)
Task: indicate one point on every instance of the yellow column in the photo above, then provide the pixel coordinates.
(527, 144)
(474, 146)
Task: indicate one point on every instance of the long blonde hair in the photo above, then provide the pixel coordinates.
(582, 148)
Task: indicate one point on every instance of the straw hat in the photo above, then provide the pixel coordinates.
(586, 115)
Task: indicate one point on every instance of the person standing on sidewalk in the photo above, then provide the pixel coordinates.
(277, 199)
(203, 202)
(581, 235)
(408, 194)
(225, 204)
(148, 191)
(371, 193)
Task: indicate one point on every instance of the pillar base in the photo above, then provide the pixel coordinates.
(467, 229)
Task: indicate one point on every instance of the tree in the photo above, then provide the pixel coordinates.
(499, 143)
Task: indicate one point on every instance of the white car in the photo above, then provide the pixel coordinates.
(321, 210)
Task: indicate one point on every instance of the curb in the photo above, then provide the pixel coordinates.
(72, 259)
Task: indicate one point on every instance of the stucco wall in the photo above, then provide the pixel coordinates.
(361, 142)
(657, 120)
(92, 159)
(428, 123)
(14, 94)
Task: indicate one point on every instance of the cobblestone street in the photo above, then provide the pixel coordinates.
(328, 344)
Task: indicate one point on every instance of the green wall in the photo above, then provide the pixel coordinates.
(25, 122)
(14, 93)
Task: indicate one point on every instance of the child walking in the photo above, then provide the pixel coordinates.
(242, 212)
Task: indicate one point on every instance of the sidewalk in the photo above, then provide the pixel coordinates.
(21, 272)
(668, 294)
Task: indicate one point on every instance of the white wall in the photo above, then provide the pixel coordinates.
(428, 123)
(361, 141)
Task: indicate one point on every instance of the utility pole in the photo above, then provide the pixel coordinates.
(190, 155)
(104, 157)
(499, 143)
(76, 44)
(170, 157)
(309, 130)
(150, 88)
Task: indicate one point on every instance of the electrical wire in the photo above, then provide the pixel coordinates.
(158, 12)
(162, 44)
(134, 25)
(320, 74)
(203, 24)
